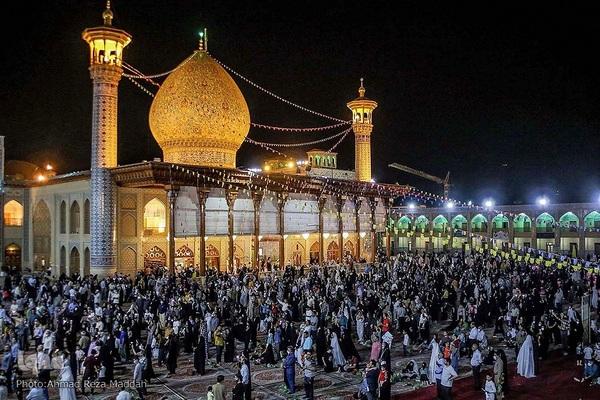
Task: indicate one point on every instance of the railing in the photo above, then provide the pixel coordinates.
(522, 230)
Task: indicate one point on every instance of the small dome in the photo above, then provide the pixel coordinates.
(199, 115)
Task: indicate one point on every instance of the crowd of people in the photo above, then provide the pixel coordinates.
(308, 320)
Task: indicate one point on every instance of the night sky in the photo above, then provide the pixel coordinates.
(505, 97)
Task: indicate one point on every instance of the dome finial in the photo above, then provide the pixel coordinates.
(107, 15)
(361, 89)
(203, 44)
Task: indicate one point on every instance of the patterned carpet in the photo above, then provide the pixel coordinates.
(556, 377)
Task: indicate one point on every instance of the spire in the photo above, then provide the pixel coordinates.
(203, 44)
(107, 15)
(361, 89)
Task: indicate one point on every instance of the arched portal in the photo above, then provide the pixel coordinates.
(155, 258)
(348, 249)
(212, 256)
(75, 261)
(184, 257)
(314, 253)
(12, 257)
(333, 251)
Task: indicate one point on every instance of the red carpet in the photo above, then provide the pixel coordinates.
(554, 381)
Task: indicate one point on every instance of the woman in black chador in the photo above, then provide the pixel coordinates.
(173, 349)
(200, 356)
(229, 353)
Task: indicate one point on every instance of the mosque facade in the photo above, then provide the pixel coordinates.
(194, 208)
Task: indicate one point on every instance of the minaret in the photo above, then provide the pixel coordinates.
(362, 124)
(106, 52)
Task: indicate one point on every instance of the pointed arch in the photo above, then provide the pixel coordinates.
(500, 221)
(63, 217)
(440, 223)
(13, 213)
(63, 260)
(74, 218)
(545, 223)
(42, 239)
(314, 251)
(155, 257)
(128, 225)
(348, 248)
(460, 222)
(74, 261)
(422, 223)
(404, 223)
(213, 257)
(522, 223)
(12, 256)
(155, 217)
(87, 261)
(185, 256)
(479, 223)
(592, 220)
(333, 251)
(568, 222)
(86, 217)
(128, 264)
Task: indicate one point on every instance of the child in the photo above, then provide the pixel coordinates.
(423, 374)
(579, 353)
(209, 393)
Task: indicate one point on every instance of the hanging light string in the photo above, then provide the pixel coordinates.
(334, 188)
(305, 143)
(266, 147)
(346, 132)
(275, 96)
(316, 129)
(139, 75)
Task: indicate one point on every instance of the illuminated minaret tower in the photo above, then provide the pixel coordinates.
(106, 52)
(362, 124)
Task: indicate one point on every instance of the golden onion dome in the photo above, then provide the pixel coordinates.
(199, 115)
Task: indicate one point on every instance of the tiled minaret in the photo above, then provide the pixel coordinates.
(106, 52)
(362, 124)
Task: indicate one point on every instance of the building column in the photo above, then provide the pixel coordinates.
(533, 243)
(557, 236)
(511, 230)
(373, 205)
(256, 199)
(283, 197)
(470, 230)
(339, 204)
(230, 197)
(357, 205)
(321, 204)
(413, 234)
(172, 193)
(202, 197)
(388, 247)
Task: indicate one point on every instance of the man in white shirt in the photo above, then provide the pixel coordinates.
(448, 376)
(472, 338)
(476, 361)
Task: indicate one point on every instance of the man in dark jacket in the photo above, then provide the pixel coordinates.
(372, 376)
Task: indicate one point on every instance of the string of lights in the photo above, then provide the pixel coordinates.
(413, 193)
(304, 143)
(276, 96)
(316, 129)
(546, 258)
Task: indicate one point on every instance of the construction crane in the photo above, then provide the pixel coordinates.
(445, 182)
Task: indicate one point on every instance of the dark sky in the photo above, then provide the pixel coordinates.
(505, 97)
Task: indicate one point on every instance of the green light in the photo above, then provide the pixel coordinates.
(201, 34)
